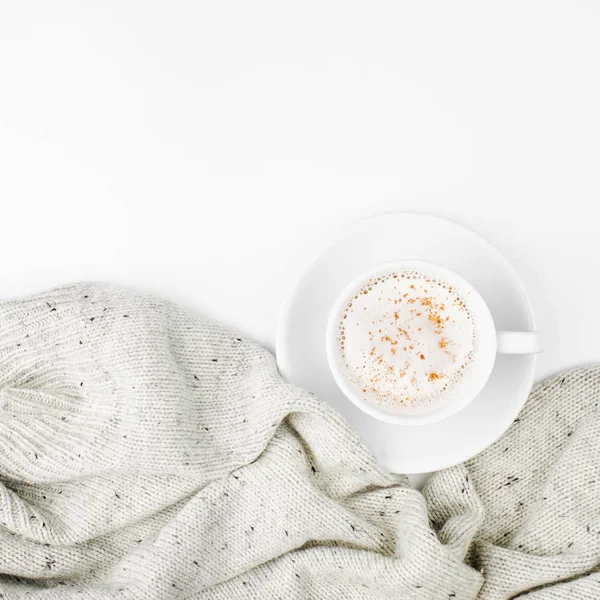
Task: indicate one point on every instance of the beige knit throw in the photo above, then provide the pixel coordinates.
(146, 453)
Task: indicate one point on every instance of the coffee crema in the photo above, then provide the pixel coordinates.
(406, 340)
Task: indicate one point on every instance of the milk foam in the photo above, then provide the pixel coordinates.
(406, 340)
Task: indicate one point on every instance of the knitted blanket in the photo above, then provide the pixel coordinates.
(147, 453)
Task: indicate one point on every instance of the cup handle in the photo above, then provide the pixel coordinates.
(518, 342)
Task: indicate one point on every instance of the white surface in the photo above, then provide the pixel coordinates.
(196, 149)
(301, 339)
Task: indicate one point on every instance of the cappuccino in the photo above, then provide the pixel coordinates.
(406, 340)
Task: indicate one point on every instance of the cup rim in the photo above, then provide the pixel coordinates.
(486, 355)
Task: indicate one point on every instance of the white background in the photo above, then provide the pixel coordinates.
(200, 150)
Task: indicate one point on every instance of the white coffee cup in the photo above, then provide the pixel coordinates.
(488, 341)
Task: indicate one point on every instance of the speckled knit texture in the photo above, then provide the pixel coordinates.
(147, 453)
(533, 526)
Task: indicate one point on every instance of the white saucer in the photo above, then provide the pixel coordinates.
(300, 344)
